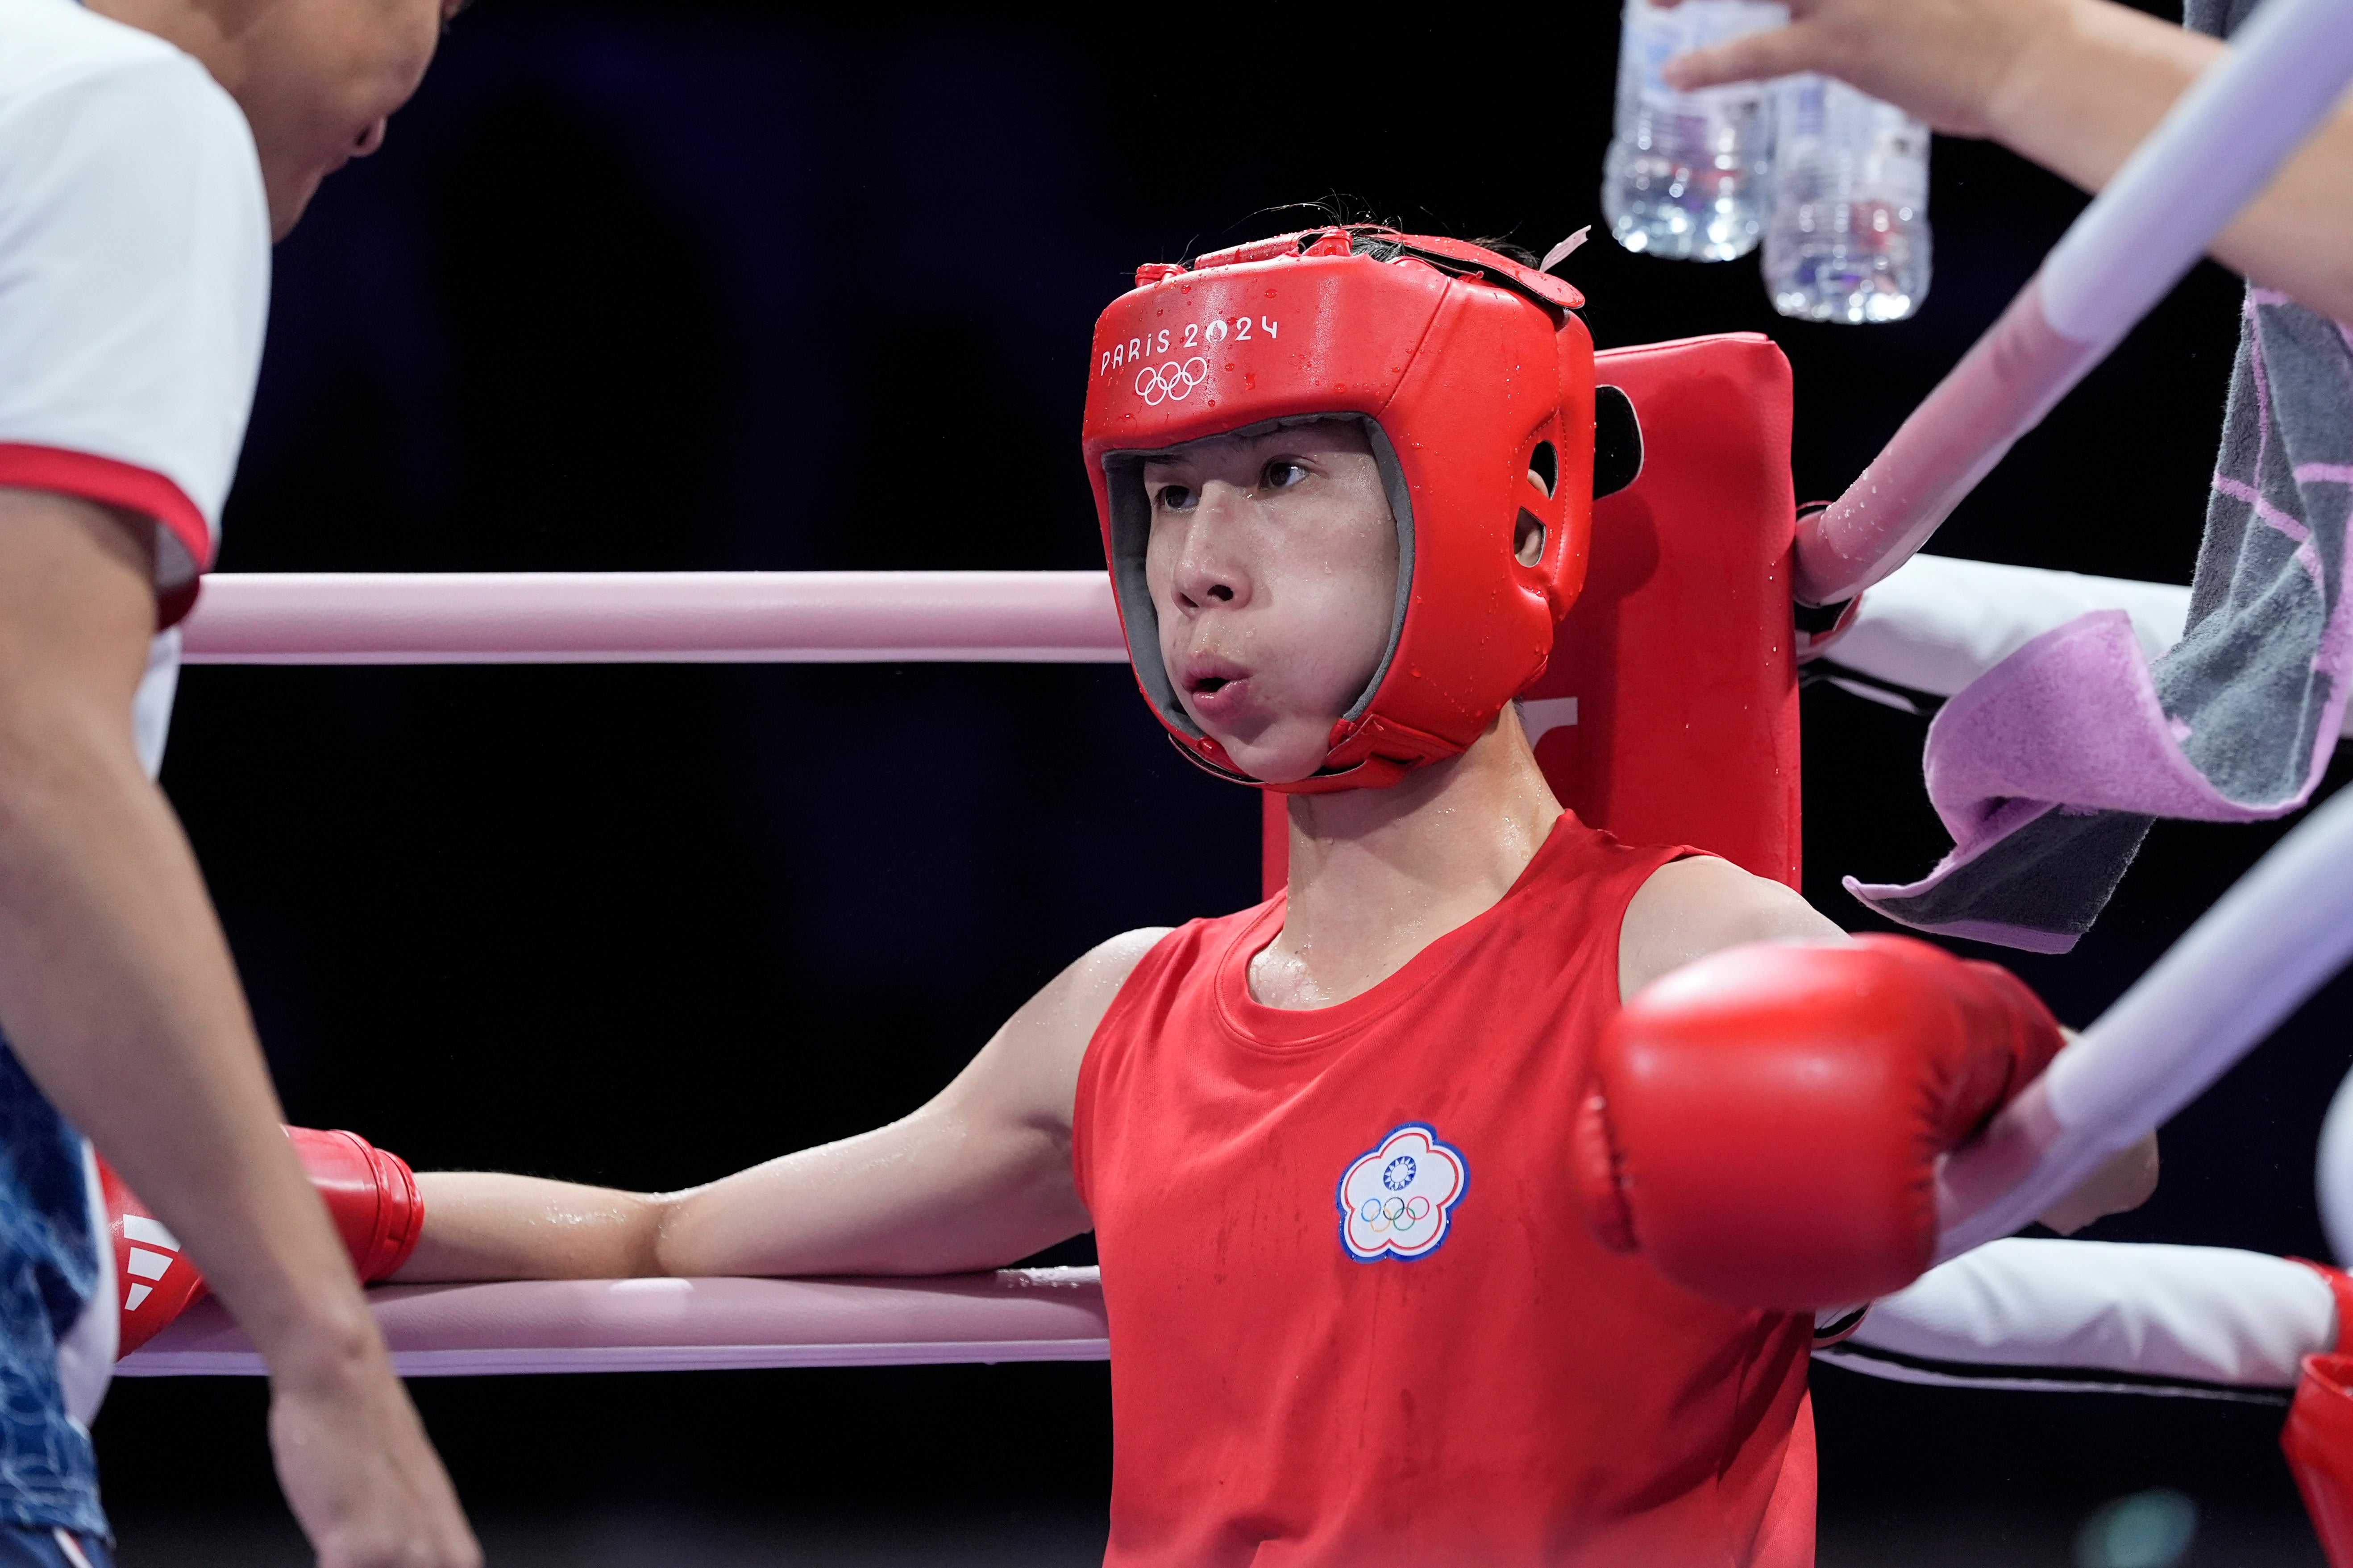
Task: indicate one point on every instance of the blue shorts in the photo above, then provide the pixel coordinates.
(30, 1547)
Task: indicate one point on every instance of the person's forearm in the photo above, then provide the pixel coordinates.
(481, 1224)
(2099, 80)
(2089, 81)
(924, 1195)
(116, 988)
(118, 995)
(2074, 84)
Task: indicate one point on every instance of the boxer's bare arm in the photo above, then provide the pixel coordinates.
(117, 992)
(2074, 84)
(975, 1179)
(1692, 908)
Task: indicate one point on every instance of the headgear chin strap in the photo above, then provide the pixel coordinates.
(1469, 371)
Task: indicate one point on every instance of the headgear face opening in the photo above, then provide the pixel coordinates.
(1468, 371)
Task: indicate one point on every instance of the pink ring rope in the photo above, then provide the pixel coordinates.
(654, 617)
(680, 1325)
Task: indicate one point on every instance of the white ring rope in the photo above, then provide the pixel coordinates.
(2208, 158)
(2269, 942)
(654, 617)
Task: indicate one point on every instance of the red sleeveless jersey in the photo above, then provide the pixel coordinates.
(1355, 1317)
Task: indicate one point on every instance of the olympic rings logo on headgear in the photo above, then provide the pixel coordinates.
(1157, 383)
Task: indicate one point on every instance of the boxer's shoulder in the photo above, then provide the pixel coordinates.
(1690, 908)
(1088, 988)
(1029, 1071)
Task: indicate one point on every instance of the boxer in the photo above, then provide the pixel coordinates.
(1376, 1209)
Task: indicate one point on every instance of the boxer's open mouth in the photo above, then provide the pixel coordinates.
(1206, 675)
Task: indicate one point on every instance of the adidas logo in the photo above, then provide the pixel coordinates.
(144, 1263)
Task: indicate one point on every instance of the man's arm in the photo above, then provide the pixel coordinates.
(976, 1178)
(118, 996)
(2074, 85)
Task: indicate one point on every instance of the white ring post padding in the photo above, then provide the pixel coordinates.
(680, 1325)
(2333, 1176)
(2252, 960)
(2208, 158)
(654, 617)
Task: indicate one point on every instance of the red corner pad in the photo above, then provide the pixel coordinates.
(2340, 1287)
(116, 484)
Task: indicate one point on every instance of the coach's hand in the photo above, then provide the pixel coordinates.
(356, 1466)
(1946, 61)
(2074, 85)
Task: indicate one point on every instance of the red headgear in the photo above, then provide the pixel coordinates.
(1469, 373)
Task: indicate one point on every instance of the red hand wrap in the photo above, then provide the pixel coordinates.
(1766, 1123)
(370, 1195)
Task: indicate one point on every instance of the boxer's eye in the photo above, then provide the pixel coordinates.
(1174, 498)
(1284, 472)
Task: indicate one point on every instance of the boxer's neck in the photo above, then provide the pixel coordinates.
(1377, 875)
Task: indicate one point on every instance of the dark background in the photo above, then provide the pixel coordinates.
(694, 285)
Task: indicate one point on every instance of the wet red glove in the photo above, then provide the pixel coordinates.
(1765, 1124)
(370, 1195)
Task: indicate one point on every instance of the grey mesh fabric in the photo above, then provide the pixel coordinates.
(2253, 691)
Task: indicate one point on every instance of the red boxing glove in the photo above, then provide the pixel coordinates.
(1765, 1123)
(2318, 1436)
(370, 1195)
(156, 1280)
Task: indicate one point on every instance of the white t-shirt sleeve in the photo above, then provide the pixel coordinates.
(134, 279)
(2066, 1316)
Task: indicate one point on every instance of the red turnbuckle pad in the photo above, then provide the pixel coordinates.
(2318, 1442)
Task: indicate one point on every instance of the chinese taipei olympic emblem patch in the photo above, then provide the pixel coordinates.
(1396, 1201)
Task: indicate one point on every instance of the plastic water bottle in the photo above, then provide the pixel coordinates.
(1847, 240)
(1686, 172)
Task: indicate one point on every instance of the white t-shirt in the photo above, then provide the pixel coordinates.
(134, 286)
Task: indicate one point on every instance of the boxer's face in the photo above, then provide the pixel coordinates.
(1273, 564)
(317, 80)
